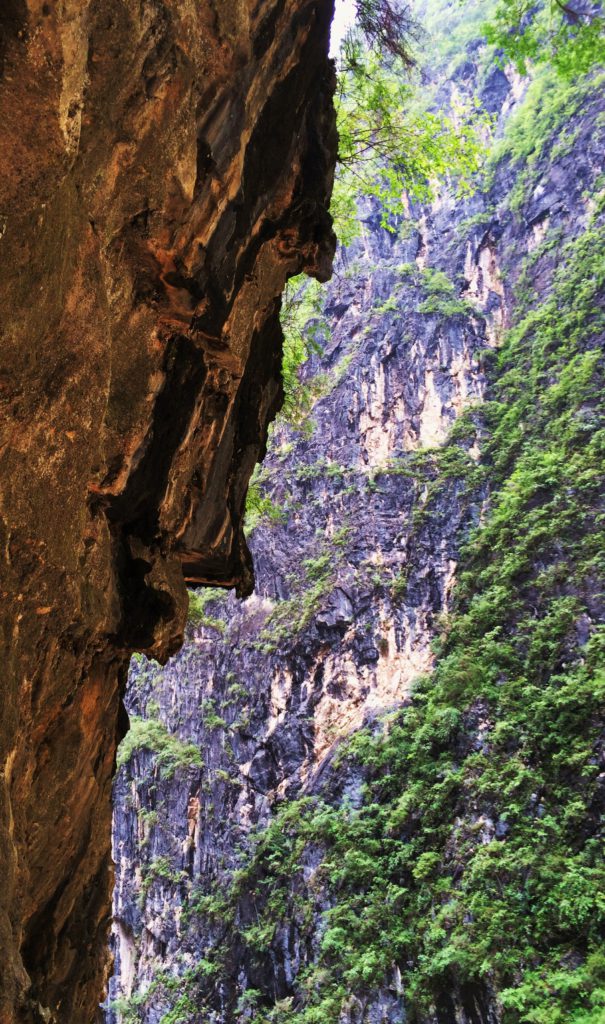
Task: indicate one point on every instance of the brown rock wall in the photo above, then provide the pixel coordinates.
(164, 166)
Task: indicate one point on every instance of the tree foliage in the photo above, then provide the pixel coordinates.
(392, 146)
(568, 35)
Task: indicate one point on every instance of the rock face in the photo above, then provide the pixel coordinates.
(164, 168)
(238, 783)
(265, 690)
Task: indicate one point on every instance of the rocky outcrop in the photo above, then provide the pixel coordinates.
(240, 745)
(164, 168)
(350, 582)
(266, 690)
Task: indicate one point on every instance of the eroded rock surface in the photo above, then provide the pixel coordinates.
(357, 552)
(351, 577)
(164, 167)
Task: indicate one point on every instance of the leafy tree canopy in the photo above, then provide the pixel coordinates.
(391, 145)
(568, 35)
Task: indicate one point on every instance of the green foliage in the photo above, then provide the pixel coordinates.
(391, 144)
(129, 1008)
(165, 987)
(323, 468)
(390, 305)
(454, 27)
(148, 818)
(549, 109)
(198, 601)
(435, 282)
(441, 295)
(259, 506)
(446, 307)
(161, 868)
(171, 754)
(568, 36)
(304, 325)
(210, 716)
(399, 585)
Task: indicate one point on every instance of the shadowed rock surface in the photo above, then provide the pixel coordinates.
(164, 168)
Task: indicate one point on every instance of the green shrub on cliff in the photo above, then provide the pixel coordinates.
(171, 754)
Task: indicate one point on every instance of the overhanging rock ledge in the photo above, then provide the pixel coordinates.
(164, 167)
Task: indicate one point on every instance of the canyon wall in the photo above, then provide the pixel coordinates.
(164, 168)
(371, 792)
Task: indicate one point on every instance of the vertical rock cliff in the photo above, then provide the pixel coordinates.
(165, 167)
(373, 792)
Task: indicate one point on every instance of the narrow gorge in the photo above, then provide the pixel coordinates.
(374, 790)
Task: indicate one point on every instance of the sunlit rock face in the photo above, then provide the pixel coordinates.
(356, 565)
(164, 167)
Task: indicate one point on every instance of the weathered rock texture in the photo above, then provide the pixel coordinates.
(326, 643)
(164, 167)
(356, 560)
